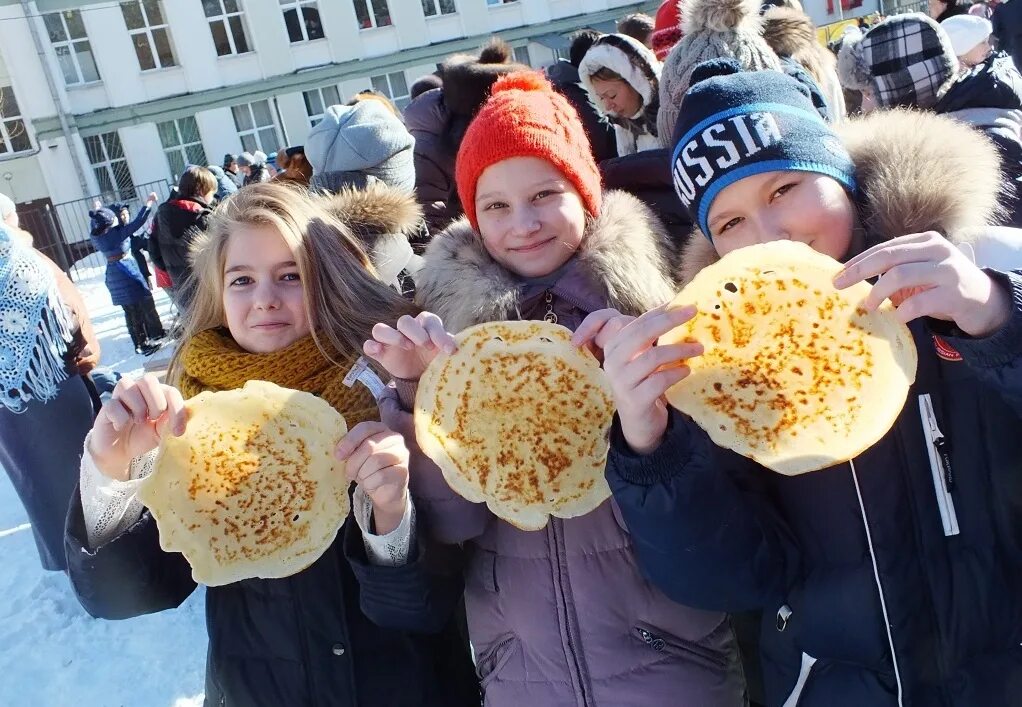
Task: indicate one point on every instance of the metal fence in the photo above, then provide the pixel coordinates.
(61, 231)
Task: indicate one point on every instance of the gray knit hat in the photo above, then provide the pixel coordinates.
(365, 138)
(712, 29)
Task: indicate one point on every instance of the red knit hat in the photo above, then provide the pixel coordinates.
(525, 117)
(666, 29)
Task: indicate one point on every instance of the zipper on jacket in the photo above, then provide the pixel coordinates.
(880, 586)
(658, 643)
(939, 451)
(570, 617)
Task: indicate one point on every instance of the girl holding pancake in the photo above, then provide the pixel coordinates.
(283, 293)
(870, 594)
(562, 615)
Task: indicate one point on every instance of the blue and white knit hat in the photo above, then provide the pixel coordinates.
(736, 124)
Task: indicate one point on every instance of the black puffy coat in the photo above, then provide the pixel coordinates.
(309, 639)
(564, 77)
(176, 223)
(1007, 28)
(989, 97)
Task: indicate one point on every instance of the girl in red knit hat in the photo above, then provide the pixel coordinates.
(560, 616)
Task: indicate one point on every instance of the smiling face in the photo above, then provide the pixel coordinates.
(264, 299)
(797, 206)
(617, 97)
(530, 217)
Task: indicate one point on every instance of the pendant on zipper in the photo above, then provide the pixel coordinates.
(551, 315)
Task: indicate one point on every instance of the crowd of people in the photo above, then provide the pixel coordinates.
(587, 194)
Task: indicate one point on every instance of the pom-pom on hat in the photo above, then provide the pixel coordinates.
(737, 124)
(525, 117)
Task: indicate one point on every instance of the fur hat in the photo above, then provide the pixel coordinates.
(526, 117)
(906, 60)
(467, 80)
(966, 32)
(626, 57)
(711, 29)
(666, 28)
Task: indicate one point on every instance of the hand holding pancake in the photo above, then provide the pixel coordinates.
(406, 351)
(925, 275)
(376, 459)
(133, 421)
(640, 373)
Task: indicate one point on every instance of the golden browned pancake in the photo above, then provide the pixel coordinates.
(252, 489)
(796, 375)
(518, 418)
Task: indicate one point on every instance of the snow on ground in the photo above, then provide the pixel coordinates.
(52, 653)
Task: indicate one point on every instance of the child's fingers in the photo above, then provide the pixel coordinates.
(388, 336)
(116, 414)
(356, 436)
(153, 394)
(922, 304)
(132, 400)
(592, 325)
(911, 276)
(413, 331)
(176, 417)
(653, 359)
(438, 335)
(879, 259)
(656, 385)
(644, 331)
(611, 329)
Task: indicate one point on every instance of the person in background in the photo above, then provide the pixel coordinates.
(225, 185)
(940, 10)
(253, 167)
(128, 288)
(424, 83)
(371, 94)
(178, 222)
(230, 167)
(792, 36)
(970, 38)
(294, 166)
(622, 78)
(666, 28)
(8, 211)
(563, 74)
(639, 27)
(47, 345)
(1007, 28)
(138, 242)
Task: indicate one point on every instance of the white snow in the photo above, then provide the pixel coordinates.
(52, 653)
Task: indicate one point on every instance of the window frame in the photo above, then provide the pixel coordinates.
(148, 30)
(299, 7)
(107, 166)
(6, 132)
(71, 44)
(370, 12)
(256, 129)
(501, 3)
(399, 101)
(438, 8)
(181, 148)
(224, 18)
(315, 118)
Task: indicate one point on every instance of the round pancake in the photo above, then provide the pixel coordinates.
(795, 374)
(518, 418)
(252, 489)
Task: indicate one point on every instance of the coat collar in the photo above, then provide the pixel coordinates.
(622, 262)
(916, 172)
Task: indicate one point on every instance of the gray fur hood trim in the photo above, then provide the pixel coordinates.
(916, 172)
(625, 248)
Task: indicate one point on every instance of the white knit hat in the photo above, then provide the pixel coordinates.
(966, 32)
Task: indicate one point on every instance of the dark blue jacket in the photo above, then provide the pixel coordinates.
(714, 530)
(317, 638)
(1007, 28)
(123, 278)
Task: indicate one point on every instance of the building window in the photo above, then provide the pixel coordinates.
(521, 55)
(226, 26)
(182, 144)
(499, 2)
(435, 8)
(374, 13)
(302, 20)
(318, 100)
(71, 45)
(394, 87)
(149, 33)
(13, 136)
(110, 167)
(256, 127)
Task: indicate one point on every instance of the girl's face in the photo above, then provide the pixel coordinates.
(617, 97)
(796, 206)
(264, 299)
(530, 217)
(977, 54)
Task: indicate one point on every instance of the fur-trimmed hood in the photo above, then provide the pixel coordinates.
(625, 252)
(630, 60)
(916, 172)
(382, 219)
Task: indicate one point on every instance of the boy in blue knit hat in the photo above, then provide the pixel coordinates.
(895, 578)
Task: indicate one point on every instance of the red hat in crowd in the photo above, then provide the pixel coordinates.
(667, 28)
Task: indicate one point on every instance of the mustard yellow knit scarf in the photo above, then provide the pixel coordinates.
(212, 360)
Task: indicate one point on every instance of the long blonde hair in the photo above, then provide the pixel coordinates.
(343, 297)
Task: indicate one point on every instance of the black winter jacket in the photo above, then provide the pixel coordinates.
(564, 77)
(309, 639)
(174, 227)
(1007, 28)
